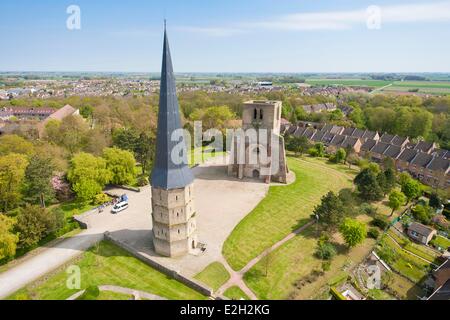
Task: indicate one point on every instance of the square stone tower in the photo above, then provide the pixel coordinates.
(173, 212)
(261, 115)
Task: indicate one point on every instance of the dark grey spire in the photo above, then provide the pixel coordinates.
(166, 174)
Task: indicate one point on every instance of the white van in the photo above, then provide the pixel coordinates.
(119, 207)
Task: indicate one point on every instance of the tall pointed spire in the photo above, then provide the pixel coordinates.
(166, 174)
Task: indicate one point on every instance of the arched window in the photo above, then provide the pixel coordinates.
(255, 114)
(261, 114)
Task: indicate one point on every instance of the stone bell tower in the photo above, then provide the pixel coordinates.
(173, 215)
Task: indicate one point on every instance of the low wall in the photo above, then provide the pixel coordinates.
(191, 283)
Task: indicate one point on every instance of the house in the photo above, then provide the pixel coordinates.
(378, 150)
(322, 107)
(419, 163)
(421, 233)
(59, 115)
(405, 158)
(441, 278)
(425, 146)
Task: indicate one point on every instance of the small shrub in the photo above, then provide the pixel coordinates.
(325, 251)
(380, 222)
(91, 293)
(367, 208)
(142, 181)
(373, 233)
(101, 198)
(326, 266)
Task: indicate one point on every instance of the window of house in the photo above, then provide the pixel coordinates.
(261, 115)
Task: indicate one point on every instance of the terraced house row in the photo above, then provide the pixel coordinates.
(423, 160)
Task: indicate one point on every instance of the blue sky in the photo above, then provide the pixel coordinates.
(227, 35)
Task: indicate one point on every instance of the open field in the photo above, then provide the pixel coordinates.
(106, 264)
(284, 209)
(428, 87)
(440, 241)
(214, 275)
(349, 82)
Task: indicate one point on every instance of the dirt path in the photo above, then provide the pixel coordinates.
(237, 277)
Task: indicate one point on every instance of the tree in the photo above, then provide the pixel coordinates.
(411, 189)
(12, 173)
(353, 232)
(325, 250)
(15, 144)
(121, 164)
(88, 175)
(367, 185)
(330, 211)
(8, 240)
(35, 223)
(125, 139)
(396, 199)
(38, 180)
(389, 180)
(422, 214)
(340, 155)
(299, 145)
(435, 201)
(216, 117)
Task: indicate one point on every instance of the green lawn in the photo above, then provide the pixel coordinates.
(214, 275)
(291, 272)
(235, 293)
(440, 241)
(106, 264)
(284, 209)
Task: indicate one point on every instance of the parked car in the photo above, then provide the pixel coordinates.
(118, 207)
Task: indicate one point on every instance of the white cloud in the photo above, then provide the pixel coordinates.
(213, 32)
(337, 20)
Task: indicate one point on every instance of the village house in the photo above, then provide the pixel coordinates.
(421, 233)
(441, 278)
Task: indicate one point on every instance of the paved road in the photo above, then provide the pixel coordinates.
(48, 260)
(51, 258)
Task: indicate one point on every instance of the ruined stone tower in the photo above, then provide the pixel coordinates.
(173, 216)
(260, 115)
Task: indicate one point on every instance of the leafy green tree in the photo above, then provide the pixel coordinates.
(367, 185)
(353, 232)
(121, 164)
(389, 180)
(12, 173)
(88, 175)
(340, 155)
(330, 211)
(38, 176)
(35, 223)
(396, 200)
(125, 139)
(422, 214)
(87, 111)
(435, 200)
(325, 250)
(8, 240)
(411, 189)
(298, 145)
(15, 144)
(216, 117)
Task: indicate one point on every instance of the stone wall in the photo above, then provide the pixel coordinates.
(191, 283)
